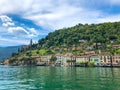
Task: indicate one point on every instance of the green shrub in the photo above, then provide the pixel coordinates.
(91, 64)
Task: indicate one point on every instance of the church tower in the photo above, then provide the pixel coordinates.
(31, 43)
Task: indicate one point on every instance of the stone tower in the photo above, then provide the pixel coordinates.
(31, 43)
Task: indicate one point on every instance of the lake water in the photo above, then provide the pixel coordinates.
(59, 78)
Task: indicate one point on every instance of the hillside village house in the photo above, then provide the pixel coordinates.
(99, 45)
(83, 41)
(117, 46)
(90, 53)
(89, 47)
(77, 47)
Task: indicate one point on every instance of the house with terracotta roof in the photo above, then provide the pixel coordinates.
(116, 46)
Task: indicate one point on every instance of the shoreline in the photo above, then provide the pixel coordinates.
(64, 66)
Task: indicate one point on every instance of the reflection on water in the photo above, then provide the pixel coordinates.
(59, 78)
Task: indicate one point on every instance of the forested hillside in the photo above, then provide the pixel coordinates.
(94, 33)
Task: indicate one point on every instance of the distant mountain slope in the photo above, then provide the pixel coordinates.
(7, 51)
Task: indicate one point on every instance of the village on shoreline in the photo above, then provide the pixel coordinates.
(88, 59)
(84, 45)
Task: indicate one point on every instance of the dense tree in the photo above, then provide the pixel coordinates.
(94, 33)
(53, 59)
(28, 53)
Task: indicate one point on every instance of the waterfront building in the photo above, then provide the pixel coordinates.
(105, 59)
(82, 59)
(65, 60)
(95, 59)
(43, 60)
(116, 60)
(59, 60)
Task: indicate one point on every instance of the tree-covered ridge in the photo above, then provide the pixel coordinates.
(104, 33)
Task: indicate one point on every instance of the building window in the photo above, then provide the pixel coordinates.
(116, 61)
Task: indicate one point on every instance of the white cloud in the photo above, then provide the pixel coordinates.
(52, 14)
(5, 18)
(14, 34)
(58, 17)
(6, 21)
(117, 2)
(33, 31)
(49, 13)
(8, 24)
(13, 41)
(110, 18)
(21, 32)
(17, 31)
(9, 27)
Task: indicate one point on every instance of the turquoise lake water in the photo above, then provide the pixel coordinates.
(59, 78)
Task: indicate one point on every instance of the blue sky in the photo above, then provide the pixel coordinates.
(22, 20)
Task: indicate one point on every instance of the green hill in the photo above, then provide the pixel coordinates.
(93, 33)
